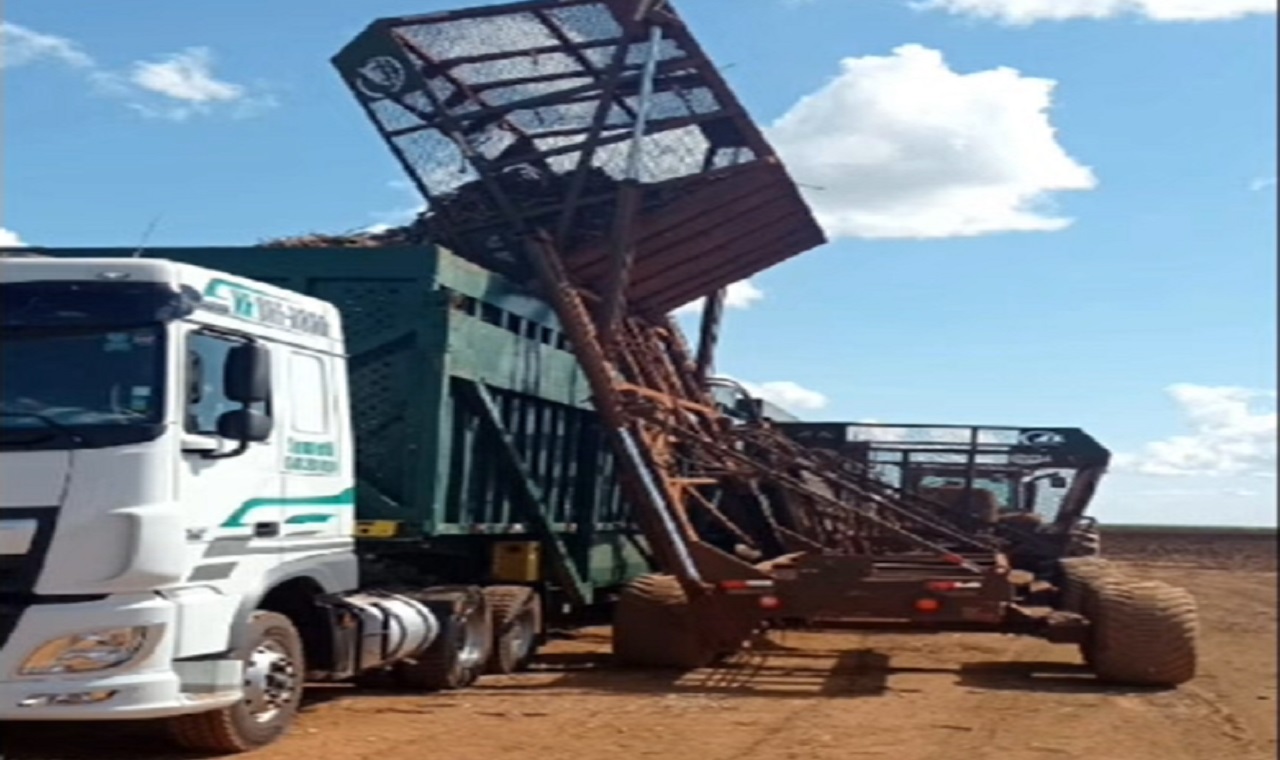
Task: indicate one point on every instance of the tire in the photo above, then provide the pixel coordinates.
(1144, 633)
(1077, 575)
(1081, 578)
(655, 626)
(457, 657)
(274, 676)
(517, 624)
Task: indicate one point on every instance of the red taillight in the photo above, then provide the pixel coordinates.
(752, 585)
(927, 605)
(770, 602)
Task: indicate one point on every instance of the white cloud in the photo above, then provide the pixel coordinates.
(739, 295)
(10, 239)
(1031, 11)
(182, 85)
(186, 76)
(1232, 431)
(20, 46)
(1262, 183)
(175, 87)
(902, 146)
(789, 395)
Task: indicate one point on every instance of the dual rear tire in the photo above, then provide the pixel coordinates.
(458, 655)
(517, 628)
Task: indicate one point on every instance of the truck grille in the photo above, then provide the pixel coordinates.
(19, 572)
(9, 616)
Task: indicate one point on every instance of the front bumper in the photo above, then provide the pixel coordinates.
(151, 686)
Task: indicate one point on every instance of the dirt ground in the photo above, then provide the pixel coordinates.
(813, 696)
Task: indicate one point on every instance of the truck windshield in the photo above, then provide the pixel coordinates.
(999, 487)
(80, 368)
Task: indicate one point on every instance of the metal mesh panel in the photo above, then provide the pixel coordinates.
(378, 412)
(512, 119)
(542, 75)
(524, 97)
(373, 315)
(370, 310)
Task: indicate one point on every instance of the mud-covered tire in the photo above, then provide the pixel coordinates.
(1080, 578)
(275, 670)
(458, 655)
(1078, 574)
(655, 626)
(517, 624)
(1143, 633)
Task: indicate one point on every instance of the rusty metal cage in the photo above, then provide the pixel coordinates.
(535, 116)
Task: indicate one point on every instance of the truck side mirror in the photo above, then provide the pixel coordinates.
(746, 408)
(1057, 481)
(247, 375)
(245, 426)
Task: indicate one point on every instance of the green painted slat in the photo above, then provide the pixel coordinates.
(530, 495)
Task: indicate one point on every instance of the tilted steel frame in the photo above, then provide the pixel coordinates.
(680, 457)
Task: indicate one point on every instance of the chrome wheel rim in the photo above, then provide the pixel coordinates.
(270, 681)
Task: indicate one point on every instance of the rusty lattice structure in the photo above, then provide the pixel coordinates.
(590, 147)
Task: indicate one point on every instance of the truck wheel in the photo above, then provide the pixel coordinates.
(654, 625)
(1144, 633)
(274, 671)
(517, 623)
(457, 656)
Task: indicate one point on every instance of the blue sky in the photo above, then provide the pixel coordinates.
(1035, 220)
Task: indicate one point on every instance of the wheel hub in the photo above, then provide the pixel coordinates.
(270, 681)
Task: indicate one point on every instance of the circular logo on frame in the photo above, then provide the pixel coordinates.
(381, 76)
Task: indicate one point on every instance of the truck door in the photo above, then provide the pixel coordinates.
(319, 499)
(233, 504)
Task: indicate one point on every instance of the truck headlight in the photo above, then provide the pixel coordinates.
(86, 652)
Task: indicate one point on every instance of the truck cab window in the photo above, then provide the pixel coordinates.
(308, 394)
(206, 399)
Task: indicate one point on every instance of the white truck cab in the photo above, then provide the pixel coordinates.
(174, 443)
